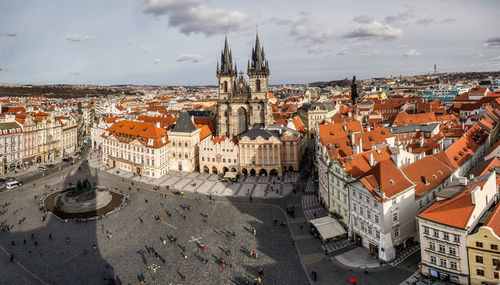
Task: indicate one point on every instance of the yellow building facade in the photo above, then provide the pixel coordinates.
(483, 251)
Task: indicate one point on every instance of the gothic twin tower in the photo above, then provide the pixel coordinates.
(242, 106)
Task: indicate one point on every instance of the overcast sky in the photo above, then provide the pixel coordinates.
(178, 42)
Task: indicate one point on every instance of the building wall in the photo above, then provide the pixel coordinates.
(218, 157)
(432, 238)
(484, 256)
(184, 150)
(135, 158)
(260, 155)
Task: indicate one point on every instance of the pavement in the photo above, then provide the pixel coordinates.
(268, 187)
(286, 253)
(128, 255)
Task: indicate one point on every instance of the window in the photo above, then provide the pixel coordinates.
(495, 261)
(442, 262)
(395, 216)
(376, 219)
(453, 251)
(495, 274)
(367, 199)
(432, 246)
(479, 244)
(480, 272)
(426, 230)
(436, 233)
(370, 230)
(446, 236)
(494, 247)
(433, 259)
(442, 248)
(457, 238)
(377, 234)
(453, 265)
(479, 259)
(361, 211)
(420, 204)
(354, 207)
(396, 232)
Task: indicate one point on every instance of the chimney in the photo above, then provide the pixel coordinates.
(410, 150)
(349, 114)
(360, 145)
(158, 124)
(471, 176)
(372, 161)
(422, 141)
(463, 126)
(192, 119)
(368, 128)
(345, 128)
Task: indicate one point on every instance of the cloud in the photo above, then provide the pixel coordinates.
(74, 73)
(189, 57)
(495, 59)
(401, 17)
(363, 19)
(492, 42)
(144, 49)
(1, 69)
(191, 16)
(363, 48)
(314, 37)
(447, 21)
(78, 38)
(430, 20)
(281, 21)
(129, 42)
(374, 30)
(156, 61)
(425, 21)
(411, 52)
(11, 33)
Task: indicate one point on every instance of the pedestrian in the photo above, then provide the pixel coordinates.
(12, 243)
(256, 255)
(261, 272)
(50, 236)
(326, 251)
(24, 241)
(11, 257)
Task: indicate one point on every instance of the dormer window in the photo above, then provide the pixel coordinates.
(391, 181)
(150, 141)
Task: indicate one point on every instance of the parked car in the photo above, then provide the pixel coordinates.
(2, 180)
(2, 186)
(10, 178)
(13, 184)
(67, 159)
(43, 167)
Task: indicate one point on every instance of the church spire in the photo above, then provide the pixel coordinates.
(258, 64)
(226, 67)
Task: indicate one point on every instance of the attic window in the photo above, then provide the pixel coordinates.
(391, 181)
(378, 151)
(434, 176)
(440, 172)
(150, 141)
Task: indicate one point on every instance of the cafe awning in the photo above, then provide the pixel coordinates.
(328, 227)
(230, 174)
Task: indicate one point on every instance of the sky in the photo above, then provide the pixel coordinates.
(178, 42)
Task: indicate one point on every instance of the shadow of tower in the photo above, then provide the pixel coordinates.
(57, 252)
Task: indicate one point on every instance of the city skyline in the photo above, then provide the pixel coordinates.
(175, 42)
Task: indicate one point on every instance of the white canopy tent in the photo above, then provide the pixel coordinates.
(328, 227)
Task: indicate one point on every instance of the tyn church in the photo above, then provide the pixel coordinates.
(242, 106)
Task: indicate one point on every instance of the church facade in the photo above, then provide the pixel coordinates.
(241, 105)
